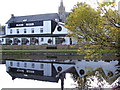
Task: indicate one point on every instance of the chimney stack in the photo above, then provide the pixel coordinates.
(12, 15)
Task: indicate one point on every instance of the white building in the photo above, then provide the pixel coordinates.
(38, 29)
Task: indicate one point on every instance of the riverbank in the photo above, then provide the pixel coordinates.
(49, 52)
(52, 57)
(105, 52)
(54, 49)
(38, 51)
(39, 47)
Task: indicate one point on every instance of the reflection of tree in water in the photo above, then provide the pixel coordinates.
(97, 77)
(86, 81)
(81, 81)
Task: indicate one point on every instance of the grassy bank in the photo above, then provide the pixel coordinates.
(107, 51)
(108, 54)
(38, 51)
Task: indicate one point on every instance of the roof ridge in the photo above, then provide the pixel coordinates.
(36, 14)
(36, 17)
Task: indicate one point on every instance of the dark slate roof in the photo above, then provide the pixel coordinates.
(39, 17)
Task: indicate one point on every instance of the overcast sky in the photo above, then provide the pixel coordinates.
(31, 7)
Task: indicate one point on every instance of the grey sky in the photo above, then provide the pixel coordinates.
(31, 7)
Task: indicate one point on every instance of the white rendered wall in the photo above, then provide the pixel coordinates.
(46, 66)
(63, 31)
(45, 40)
(67, 41)
(46, 29)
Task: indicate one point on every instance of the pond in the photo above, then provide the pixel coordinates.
(99, 74)
(7, 82)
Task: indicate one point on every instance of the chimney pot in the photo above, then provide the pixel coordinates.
(12, 15)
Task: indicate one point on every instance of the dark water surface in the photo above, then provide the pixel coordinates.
(106, 75)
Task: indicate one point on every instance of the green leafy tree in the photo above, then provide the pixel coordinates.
(97, 29)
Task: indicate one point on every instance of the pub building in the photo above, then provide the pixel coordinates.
(40, 29)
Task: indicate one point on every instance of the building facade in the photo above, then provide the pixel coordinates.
(41, 29)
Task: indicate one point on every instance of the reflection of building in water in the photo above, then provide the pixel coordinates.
(47, 70)
(41, 29)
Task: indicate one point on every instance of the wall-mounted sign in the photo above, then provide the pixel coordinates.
(19, 24)
(29, 24)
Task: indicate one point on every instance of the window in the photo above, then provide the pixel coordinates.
(32, 30)
(41, 66)
(42, 39)
(41, 30)
(18, 64)
(11, 63)
(17, 30)
(2, 40)
(33, 65)
(25, 31)
(25, 64)
(10, 31)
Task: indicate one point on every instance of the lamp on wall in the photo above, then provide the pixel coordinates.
(49, 41)
(16, 41)
(34, 41)
(25, 41)
(8, 41)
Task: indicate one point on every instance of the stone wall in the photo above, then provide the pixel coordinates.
(38, 47)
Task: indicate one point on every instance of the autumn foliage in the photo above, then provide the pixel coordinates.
(96, 29)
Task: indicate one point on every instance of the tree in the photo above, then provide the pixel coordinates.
(96, 29)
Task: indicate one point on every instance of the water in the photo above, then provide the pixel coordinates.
(91, 66)
(7, 82)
